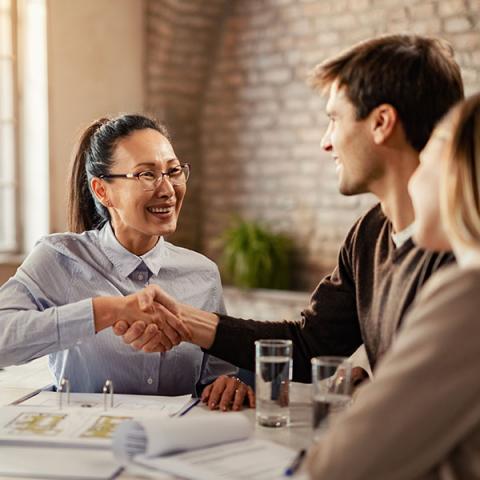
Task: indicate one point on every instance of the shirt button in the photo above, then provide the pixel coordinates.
(140, 276)
(150, 380)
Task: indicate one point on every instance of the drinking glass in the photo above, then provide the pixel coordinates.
(273, 373)
(332, 389)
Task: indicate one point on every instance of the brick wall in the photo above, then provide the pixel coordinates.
(253, 125)
(181, 37)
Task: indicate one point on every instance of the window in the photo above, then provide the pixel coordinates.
(9, 238)
(24, 205)
(33, 120)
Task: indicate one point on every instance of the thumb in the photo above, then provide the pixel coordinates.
(166, 300)
(120, 327)
(145, 299)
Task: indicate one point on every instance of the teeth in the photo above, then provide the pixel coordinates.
(159, 210)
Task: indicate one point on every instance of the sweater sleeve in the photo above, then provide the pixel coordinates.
(424, 398)
(329, 326)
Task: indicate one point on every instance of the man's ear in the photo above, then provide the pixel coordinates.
(100, 192)
(383, 120)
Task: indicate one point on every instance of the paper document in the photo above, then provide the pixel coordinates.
(161, 436)
(246, 460)
(209, 447)
(51, 463)
(74, 428)
(152, 404)
(84, 423)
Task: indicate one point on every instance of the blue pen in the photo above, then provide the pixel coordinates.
(295, 464)
(193, 403)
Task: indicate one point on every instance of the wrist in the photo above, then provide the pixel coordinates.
(202, 325)
(105, 311)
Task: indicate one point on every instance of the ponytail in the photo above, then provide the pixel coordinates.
(82, 212)
(93, 158)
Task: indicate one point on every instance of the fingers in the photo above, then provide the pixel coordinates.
(143, 310)
(145, 298)
(240, 393)
(218, 387)
(135, 331)
(229, 393)
(148, 335)
(120, 328)
(161, 297)
(251, 397)
(206, 393)
(174, 324)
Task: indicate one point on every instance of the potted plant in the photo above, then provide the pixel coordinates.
(254, 257)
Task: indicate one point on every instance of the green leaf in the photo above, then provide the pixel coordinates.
(254, 257)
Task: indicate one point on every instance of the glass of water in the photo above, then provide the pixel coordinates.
(332, 389)
(273, 373)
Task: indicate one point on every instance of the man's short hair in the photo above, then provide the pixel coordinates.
(417, 75)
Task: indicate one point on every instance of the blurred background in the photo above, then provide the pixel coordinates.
(228, 77)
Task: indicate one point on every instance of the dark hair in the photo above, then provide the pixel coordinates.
(93, 157)
(417, 75)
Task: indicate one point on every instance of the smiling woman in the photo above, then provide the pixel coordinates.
(126, 191)
(141, 204)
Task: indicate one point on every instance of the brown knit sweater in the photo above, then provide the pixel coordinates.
(363, 300)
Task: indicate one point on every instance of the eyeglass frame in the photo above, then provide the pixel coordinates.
(156, 181)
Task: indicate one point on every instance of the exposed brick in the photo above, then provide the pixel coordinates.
(316, 8)
(460, 23)
(447, 8)
(422, 10)
(300, 119)
(466, 41)
(228, 77)
(358, 5)
(277, 76)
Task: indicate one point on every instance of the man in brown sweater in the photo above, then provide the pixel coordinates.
(385, 97)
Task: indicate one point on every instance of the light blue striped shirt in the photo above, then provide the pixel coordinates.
(46, 308)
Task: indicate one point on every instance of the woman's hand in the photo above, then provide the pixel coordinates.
(227, 393)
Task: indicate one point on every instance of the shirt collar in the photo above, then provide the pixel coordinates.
(399, 238)
(125, 261)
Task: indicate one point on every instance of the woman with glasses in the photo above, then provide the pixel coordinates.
(420, 417)
(126, 191)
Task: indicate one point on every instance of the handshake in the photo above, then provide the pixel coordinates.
(152, 321)
(149, 320)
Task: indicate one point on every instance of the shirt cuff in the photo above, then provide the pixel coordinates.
(75, 321)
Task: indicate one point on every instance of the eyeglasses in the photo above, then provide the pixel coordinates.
(149, 180)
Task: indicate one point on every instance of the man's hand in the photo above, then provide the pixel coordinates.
(227, 393)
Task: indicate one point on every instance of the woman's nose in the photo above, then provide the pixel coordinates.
(164, 186)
